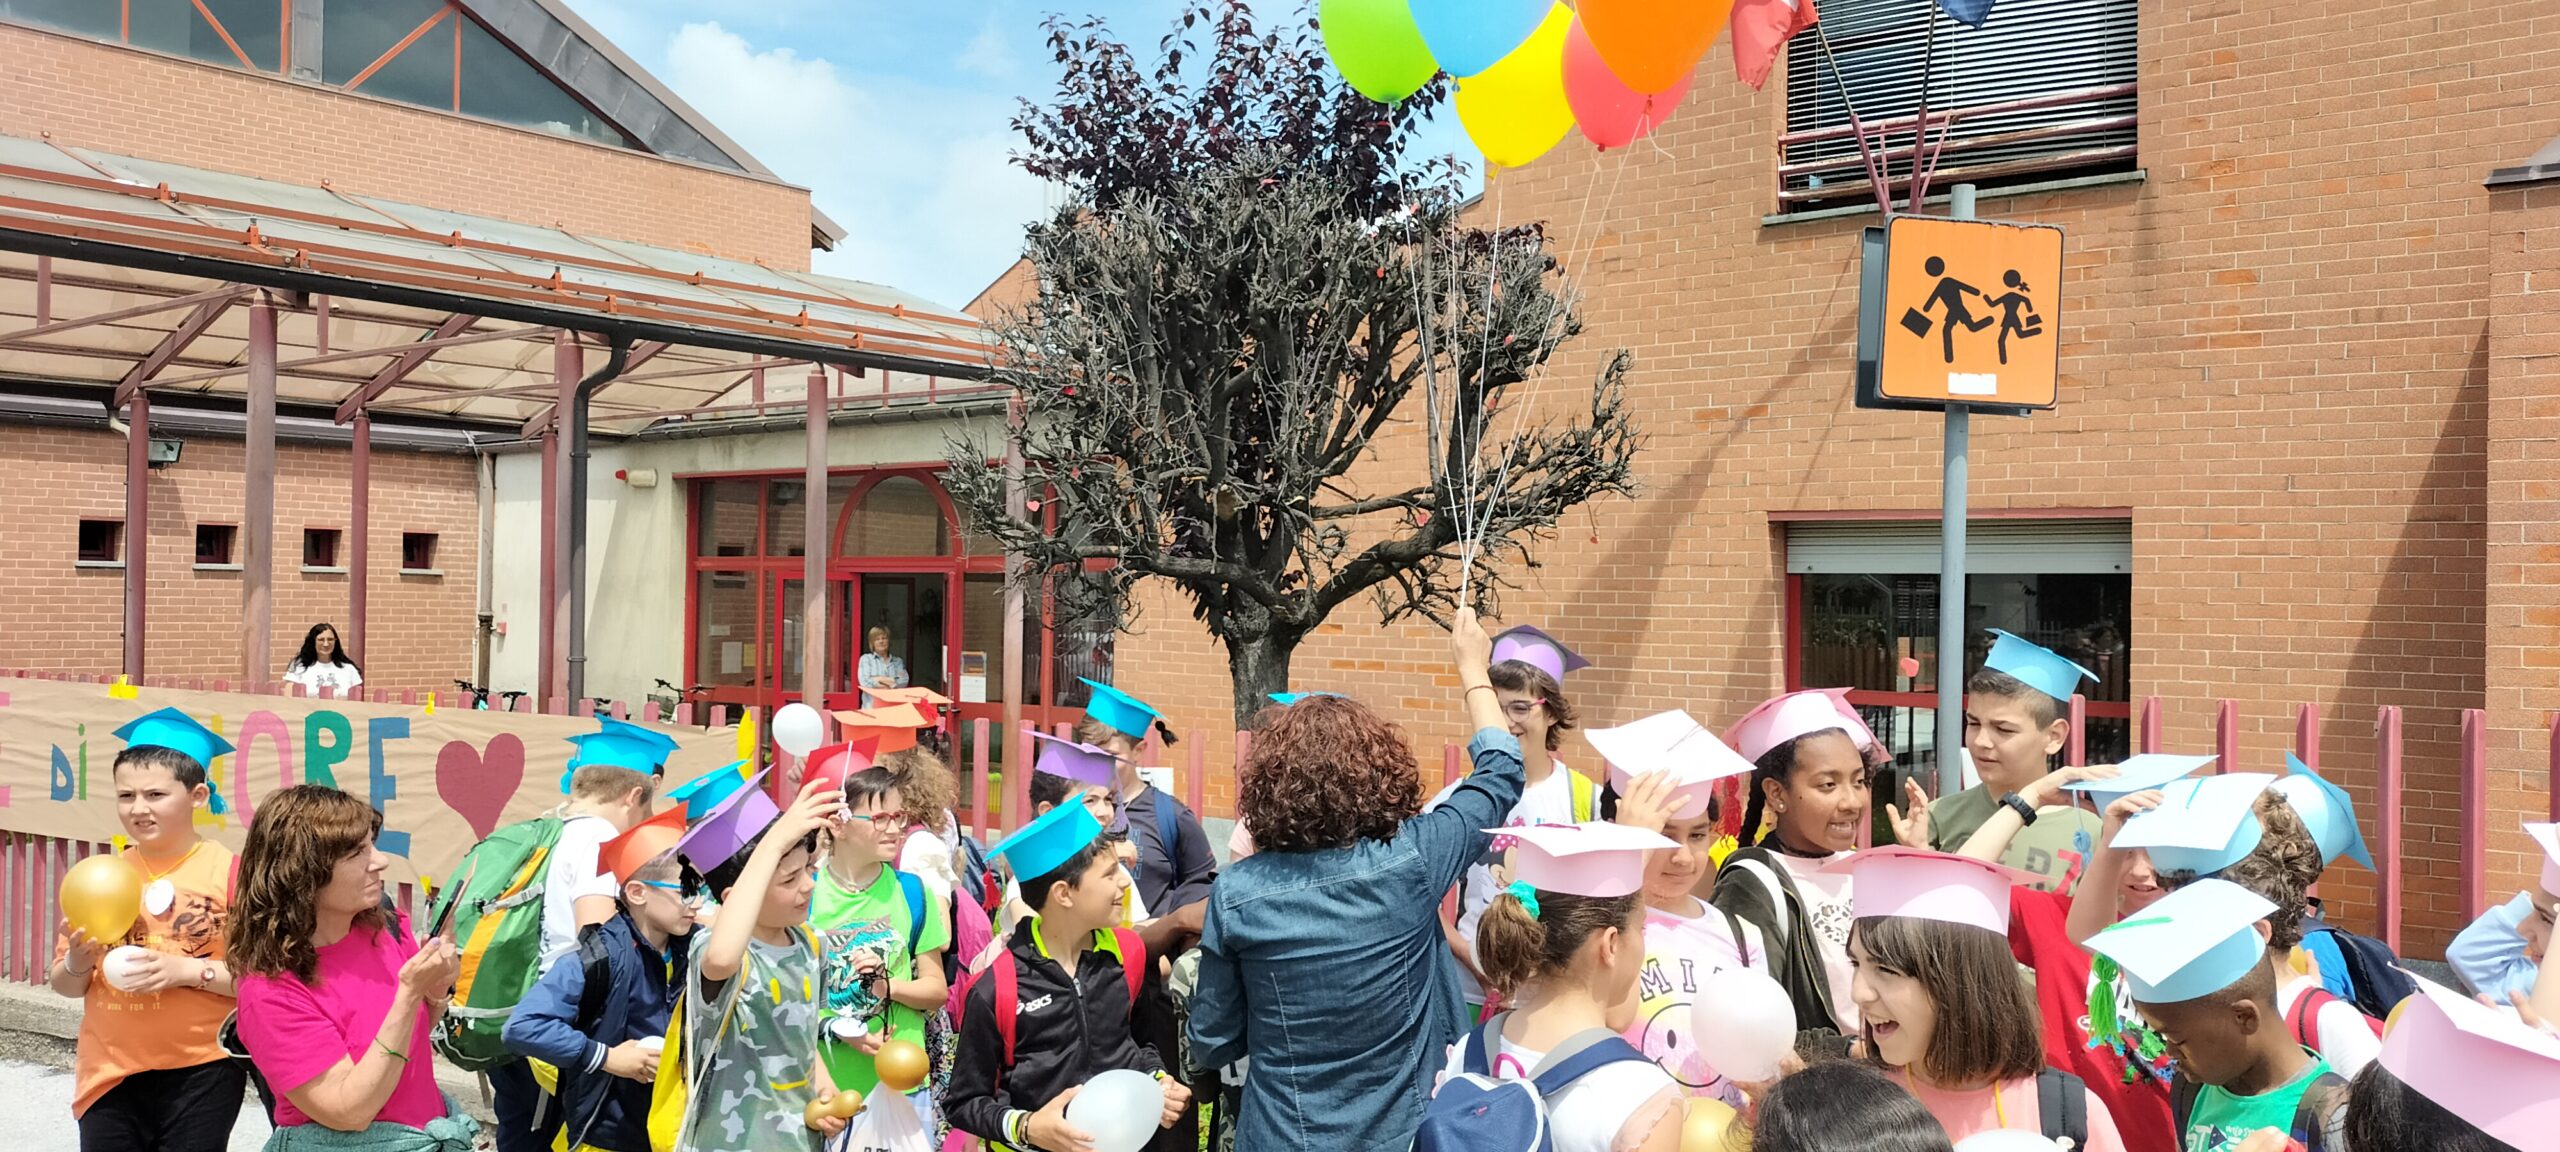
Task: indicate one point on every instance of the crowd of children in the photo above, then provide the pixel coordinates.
(2123, 958)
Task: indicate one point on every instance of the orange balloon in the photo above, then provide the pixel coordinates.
(901, 1065)
(1653, 44)
(102, 896)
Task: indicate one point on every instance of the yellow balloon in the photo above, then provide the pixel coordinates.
(900, 1065)
(1515, 111)
(102, 896)
(1712, 1126)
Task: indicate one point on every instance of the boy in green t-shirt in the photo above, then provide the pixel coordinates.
(882, 934)
(2196, 961)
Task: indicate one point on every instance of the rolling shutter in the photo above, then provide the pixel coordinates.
(2018, 547)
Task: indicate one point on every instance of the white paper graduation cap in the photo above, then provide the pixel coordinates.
(2193, 942)
(1669, 742)
(2203, 824)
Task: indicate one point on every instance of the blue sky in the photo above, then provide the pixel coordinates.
(895, 114)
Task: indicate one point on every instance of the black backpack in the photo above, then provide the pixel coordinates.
(2062, 1101)
(2358, 969)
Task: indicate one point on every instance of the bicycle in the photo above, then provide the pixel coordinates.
(669, 697)
(480, 696)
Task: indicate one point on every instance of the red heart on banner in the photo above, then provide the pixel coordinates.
(478, 784)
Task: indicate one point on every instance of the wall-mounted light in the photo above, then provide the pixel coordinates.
(162, 453)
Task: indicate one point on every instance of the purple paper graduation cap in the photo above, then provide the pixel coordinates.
(1538, 650)
(731, 825)
(1082, 763)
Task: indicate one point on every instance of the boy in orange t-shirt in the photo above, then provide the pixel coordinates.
(151, 1075)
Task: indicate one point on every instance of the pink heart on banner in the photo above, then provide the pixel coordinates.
(478, 784)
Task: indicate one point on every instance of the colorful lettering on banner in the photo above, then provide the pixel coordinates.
(467, 771)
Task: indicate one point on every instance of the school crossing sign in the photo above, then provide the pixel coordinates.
(1969, 312)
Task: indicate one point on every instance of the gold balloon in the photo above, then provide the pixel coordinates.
(901, 1065)
(815, 1110)
(102, 896)
(847, 1106)
(1712, 1126)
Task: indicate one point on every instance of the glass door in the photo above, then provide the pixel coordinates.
(908, 614)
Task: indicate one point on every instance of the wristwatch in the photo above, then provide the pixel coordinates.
(2018, 804)
(204, 976)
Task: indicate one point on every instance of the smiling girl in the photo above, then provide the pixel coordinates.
(151, 1073)
(1813, 759)
(1685, 940)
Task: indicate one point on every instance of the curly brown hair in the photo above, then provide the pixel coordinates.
(927, 785)
(295, 843)
(1531, 680)
(1326, 772)
(2281, 869)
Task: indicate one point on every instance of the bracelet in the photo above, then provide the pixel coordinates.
(2018, 804)
(395, 1053)
(1479, 688)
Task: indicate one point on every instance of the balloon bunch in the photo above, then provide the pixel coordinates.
(1528, 71)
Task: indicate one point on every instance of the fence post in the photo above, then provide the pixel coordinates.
(978, 786)
(1453, 764)
(2475, 813)
(2076, 752)
(2387, 904)
(2150, 724)
(1017, 779)
(2226, 736)
(2306, 735)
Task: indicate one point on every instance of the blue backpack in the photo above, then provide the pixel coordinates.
(1474, 1111)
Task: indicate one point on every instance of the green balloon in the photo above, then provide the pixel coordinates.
(1376, 46)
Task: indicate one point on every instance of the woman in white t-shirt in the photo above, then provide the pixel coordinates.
(323, 667)
(1565, 945)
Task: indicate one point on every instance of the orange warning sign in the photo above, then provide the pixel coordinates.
(1973, 310)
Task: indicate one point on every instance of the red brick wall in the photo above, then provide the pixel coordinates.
(72, 619)
(115, 99)
(2277, 352)
(2523, 651)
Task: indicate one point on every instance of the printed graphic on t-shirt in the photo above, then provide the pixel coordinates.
(195, 927)
(849, 953)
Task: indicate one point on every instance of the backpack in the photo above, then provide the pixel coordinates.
(2309, 1132)
(493, 909)
(2062, 1106)
(2305, 1017)
(1008, 994)
(977, 877)
(2358, 969)
(1474, 1111)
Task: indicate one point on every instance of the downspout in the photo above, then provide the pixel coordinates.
(488, 473)
(617, 357)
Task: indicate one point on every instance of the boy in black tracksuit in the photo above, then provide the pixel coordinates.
(1074, 1008)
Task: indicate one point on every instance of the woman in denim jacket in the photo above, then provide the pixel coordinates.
(1321, 959)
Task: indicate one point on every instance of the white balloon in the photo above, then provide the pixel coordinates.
(1119, 1109)
(122, 965)
(2007, 1140)
(798, 729)
(1744, 1023)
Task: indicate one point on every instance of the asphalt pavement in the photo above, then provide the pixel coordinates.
(35, 1080)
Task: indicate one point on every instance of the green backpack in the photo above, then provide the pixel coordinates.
(492, 909)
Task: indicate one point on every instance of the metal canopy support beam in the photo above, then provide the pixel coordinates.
(171, 346)
(137, 533)
(360, 531)
(408, 362)
(258, 519)
(170, 304)
(545, 616)
(814, 637)
(568, 362)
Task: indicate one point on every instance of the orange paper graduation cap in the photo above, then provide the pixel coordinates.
(646, 841)
(893, 726)
(926, 697)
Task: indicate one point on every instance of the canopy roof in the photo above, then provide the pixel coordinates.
(120, 273)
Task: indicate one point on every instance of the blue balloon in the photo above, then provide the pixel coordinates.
(1469, 36)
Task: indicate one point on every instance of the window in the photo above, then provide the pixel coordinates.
(898, 517)
(728, 517)
(320, 547)
(101, 541)
(417, 551)
(433, 54)
(214, 543)
(233, 33)
(2043, 90)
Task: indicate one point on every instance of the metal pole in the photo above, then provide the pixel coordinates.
(1951, 590)
(137, 532)
(555, 601)
(258, 519)
(813, 568)
(546, 613)
(1015, 691)
(569, 363)
(360, 531)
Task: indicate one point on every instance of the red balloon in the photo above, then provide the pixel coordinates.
(1611, 114)
(1653, 44)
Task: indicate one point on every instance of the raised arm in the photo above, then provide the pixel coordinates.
(2049, 790)
(349, 1095)
(1451, 834)
(2106, 870)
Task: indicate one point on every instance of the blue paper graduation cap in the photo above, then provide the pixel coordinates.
(2036, 666)
(705, 792)
(2203, 825)
(185, 735)
(619, 744)
(2193, 942)
(1290, 699)
(2326, 810)
(1538, 650)
(1044, 844)
(1120, 711)
(2139, 774)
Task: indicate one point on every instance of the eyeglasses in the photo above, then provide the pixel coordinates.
(893, 821)
(688, 899)
(1520, 709)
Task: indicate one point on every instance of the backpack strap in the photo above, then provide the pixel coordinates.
(1475, 1050)
(1580, 1056)
(2321, 1099)
(1133, 962)
(2182, 1102)
(2062, 1106)
(911, 886)
(1781, 895)
(1008, 1002)
(2305, 1017)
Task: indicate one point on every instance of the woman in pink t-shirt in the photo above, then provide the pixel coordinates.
(337, 999)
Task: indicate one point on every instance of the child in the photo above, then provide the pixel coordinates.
(1175, 866)
(1844, 1106)
(1564, 944)
(2196, 963)
(883, 936)
(752, 997)
(1064, 1003)
(2278, 869)
(2016, 717)
(594, 1017)
(1685, 939)
(1083, 771)
(1528, 674)
(151, 1072)
(2457, 1076)
(1940, 1002)
(2496, 955)
(1812, 761)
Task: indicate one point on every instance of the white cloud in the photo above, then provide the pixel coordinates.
(988, 53)
(916, 173)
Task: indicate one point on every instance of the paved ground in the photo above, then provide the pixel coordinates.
(39, 1096)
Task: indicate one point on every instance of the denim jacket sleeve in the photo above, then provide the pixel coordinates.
(1217, 1000)
(2490, 954)
(544, 1025)
(1451, 835)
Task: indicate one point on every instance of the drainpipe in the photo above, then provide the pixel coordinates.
(488, 472)
(574, 421)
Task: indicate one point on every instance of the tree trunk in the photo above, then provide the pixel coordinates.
(1259, 666)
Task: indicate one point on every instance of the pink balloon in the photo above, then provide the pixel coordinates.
(1610, 114)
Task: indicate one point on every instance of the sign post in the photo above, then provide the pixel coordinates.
(1958, 315)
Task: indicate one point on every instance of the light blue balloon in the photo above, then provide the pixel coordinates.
(1469, 36)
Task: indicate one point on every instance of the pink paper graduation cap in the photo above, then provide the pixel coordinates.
(2477, 1062)
(2547, 838)
(1581, 859)
(1669, 742)
(1783, 718)
(1538, 650)
(1925, 885)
